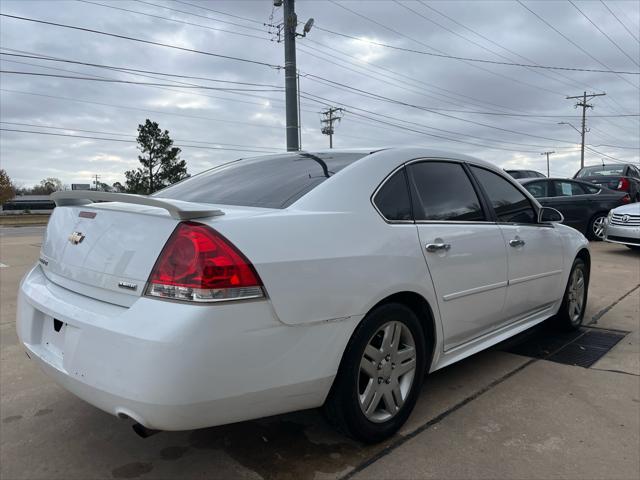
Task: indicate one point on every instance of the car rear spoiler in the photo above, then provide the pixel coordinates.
(177, 208)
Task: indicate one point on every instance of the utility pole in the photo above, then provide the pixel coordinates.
(332, 114)
(584, 97)
(547, 154)
(96, 176)
(291, 81)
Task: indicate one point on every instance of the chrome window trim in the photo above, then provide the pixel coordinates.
(455, 222)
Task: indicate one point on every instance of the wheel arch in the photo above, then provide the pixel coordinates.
(585, 256)
(422, 309)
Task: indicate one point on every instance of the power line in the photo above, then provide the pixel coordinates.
(184, 22)
(244, 94)
(73, 129)
(477, 60)
(123, 141)
(440, 51)
(13, 72)
(604, 33)
(252, 20)
(572, 42)
(419, 107)
(130, 82)
(356, 111)
(415, 12)
(145, 110)
(569, 81)
(467, 99)
(620, 22)
(134, 70)
(134, 39)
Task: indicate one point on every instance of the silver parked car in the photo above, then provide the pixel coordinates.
(623, 226)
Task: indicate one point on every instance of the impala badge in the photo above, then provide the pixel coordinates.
(76, 237)
(128, 286)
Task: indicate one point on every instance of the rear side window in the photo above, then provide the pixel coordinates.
(567, 189)
(509, 203)
(444, 192)
(393, 199)
(274, 181)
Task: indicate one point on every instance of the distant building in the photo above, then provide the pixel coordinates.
(28, 203)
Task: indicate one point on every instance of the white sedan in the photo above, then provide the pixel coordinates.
(294, 281)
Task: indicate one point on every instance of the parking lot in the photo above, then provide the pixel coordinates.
(494, 415)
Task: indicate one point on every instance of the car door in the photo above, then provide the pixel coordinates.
(534, 250)
(573, 202)
(464, 250)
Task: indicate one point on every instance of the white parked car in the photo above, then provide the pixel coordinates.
(623, 226)
(293, 281)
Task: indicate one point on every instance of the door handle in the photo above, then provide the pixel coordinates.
(436, 247)
(517, 242)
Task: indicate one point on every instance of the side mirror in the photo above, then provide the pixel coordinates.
(550, 215)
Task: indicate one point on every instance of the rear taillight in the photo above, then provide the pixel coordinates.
(623, 184)
(198, 264)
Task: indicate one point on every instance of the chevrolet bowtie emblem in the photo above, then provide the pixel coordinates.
(76, 237)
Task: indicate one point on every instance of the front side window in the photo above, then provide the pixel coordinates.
(444, 192)
(393, 199)
(537, 189)
(567, 189)
(509, 203)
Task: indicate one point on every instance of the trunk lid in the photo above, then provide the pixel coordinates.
(105, 251)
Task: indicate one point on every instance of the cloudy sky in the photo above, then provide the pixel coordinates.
(369, 57)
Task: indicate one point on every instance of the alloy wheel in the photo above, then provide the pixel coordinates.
(598, 227)
(387, 371)
(575, 295)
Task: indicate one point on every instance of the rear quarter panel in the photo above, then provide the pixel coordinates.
(330, 255)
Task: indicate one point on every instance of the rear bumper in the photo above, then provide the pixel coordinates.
(622, 234)
(175, 366)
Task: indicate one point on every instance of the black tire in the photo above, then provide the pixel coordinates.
(591, 228)
(566, 319)
(342, 407)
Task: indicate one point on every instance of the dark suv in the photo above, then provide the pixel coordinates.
(623, 177)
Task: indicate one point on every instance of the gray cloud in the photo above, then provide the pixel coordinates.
(206, 116)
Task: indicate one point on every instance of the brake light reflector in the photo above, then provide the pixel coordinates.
(623, 184)
(198, 264)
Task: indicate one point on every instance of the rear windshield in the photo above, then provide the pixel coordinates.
(603, 170)
(274, 181)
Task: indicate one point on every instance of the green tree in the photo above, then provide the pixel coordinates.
(161, 163)
(7, 189)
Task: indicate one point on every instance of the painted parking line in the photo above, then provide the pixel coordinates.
(2, 265)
